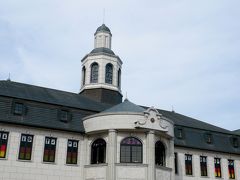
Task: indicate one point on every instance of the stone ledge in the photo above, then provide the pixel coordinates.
(131, 164)
(95, 165)
(164, 168)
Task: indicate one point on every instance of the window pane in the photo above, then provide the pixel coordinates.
(176, 163)
(72, 151)
(159, 153)
(231, 169)
(131, 150)
(217, 164)
(83, 75)
(3, 143)
(109, 73)
(49, 149)
(203, 165)
(94, 73)
(188, 164)
(64, 115)
(98, 151)
(119, 78)
(18, 108)
(25, 149)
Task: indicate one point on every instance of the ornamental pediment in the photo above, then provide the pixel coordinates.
(152, 120)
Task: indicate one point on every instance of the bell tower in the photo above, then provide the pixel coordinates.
(101, 70)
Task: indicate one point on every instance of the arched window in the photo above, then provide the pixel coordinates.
(119, 78)
(98, 151)
(109, 73)
(160, 154)
(94, 73)
(83, 75)
(131, 150)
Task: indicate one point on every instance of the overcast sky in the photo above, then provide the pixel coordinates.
(175, 53)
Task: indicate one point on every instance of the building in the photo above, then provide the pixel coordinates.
(93, 135)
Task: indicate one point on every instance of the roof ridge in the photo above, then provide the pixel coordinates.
(58, 97)
(32, 85)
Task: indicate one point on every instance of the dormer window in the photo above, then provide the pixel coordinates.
(208, 138)
(64, 115)
(18, 108)
(179, 133)
(235, 142)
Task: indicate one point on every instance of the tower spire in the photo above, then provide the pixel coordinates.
(103, 15)
(9, 77)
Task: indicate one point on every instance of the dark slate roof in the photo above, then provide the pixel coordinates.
(125, 106)
(46, 115)
(182, 120)
(196, 138)
(102, 50)
(237, 131)
(51, 96)
(103, 28)
(195, 132)
(42, 116)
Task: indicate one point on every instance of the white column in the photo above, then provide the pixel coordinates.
(151, 155)
(171, 158)
(84, 155)
(112, 154)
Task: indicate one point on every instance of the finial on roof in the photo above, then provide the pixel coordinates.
(126, 98)
(9, 77)
(173, 109)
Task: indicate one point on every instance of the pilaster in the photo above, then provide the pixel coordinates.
(112, 154)
(151, 155)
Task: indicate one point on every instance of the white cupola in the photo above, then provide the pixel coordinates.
(103, 37)
(101, 70)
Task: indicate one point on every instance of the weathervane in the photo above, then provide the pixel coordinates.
(9, 77)
(103, 15)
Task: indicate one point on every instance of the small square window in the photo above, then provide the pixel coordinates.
(209, 138)
(18, 108)
(235, 142)
(179, 133)
(64, 115)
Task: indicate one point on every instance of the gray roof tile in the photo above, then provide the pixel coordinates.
(102, 50)
(125, 106)
(47, 95)
(103, 28)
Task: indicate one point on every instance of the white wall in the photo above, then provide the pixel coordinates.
(210, 164)
(102, 61)
(13, 169)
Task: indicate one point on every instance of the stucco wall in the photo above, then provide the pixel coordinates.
(14, 169)
(210, 164)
